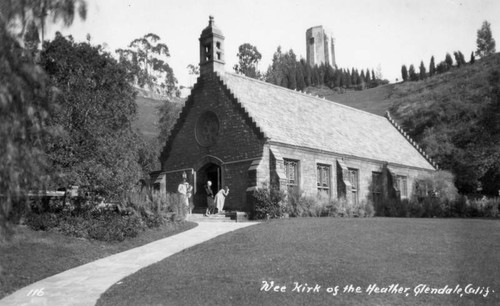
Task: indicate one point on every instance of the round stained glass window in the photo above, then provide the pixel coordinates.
(207, 129)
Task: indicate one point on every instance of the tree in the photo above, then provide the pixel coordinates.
(459, 58)
(472, 58)
(281, 72)
(25, 106)
(169, 111)
(24, 110)
(96, 109)
(448, 60)
(422, 72)
(485, 41)
(404, 73)
(193, 71)
(20, 14)
(147, 66)
(301, 85)
(412, 74)
(307, 72)
(248, 59)
(432, 67)
(442, 67)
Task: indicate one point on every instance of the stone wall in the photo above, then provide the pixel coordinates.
(339, 165)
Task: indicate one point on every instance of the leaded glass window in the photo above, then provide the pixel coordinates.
(292, 175)
(377, 186)
(323, 178)
(402, 186)
(353, 178)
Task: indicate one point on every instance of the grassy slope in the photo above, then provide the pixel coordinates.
(449, 92)
(32, 256)
(230, 269)
(374, 100)
(468, 81)
(148, 115)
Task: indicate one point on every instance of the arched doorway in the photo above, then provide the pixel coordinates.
(208, 172)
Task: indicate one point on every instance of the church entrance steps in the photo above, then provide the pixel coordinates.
(209, 218)
(226, 217)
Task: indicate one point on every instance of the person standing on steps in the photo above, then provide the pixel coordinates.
(186, 191)
(220, 198)
(210, 199)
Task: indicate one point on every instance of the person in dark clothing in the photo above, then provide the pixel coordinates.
(210, 199)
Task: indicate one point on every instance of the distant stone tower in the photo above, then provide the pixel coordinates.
(211, 48)
(320, 46)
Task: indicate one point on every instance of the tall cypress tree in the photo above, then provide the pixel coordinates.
(412, 74)
(448, 60)
(422, 72)
(432, 67)
(404, 73)
(472, 58)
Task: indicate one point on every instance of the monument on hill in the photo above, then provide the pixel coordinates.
(320, 46)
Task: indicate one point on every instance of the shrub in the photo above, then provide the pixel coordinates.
(273, 203)
(269, 203)
(113, 227)
(75, 226)
(42, 222)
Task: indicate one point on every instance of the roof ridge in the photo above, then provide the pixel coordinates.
(301, 93)
(410, 140)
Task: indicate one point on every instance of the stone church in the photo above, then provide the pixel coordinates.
(245, 133)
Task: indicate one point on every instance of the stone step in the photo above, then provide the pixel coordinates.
(226, 217)
(210, 218)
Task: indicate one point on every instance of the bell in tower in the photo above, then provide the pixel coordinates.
(211, 49)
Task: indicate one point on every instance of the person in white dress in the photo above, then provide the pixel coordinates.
(185, 190)
(220, 198)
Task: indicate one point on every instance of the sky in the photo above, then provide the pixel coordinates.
(368, 33)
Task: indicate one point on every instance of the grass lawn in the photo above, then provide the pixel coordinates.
(32, 256)
(328, 252)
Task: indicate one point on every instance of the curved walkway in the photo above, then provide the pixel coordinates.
(83, 285)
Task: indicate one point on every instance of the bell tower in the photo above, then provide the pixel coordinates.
(211, 49)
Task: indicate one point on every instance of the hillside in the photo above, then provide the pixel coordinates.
(148, 114)
(454, 116)
(374, 100)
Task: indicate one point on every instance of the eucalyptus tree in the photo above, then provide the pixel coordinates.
(146, 60)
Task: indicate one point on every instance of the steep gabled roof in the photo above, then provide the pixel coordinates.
(297, 119)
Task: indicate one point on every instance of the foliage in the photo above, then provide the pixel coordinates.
(25, 107)
(448, 60)
(248, 59)
(459, 58)
(269, 203)
(23, 15)
(274, 203)
(404, 73)
(139, 209)
(413, 76)
(287, 71)
(456, 120)
(97, 106)
(146, 63)
(422, 74)
(432, 67)
(485, 41)
(169, 111)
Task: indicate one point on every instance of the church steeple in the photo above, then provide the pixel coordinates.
(211, 49)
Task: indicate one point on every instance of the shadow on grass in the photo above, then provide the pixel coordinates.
(32, 256)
